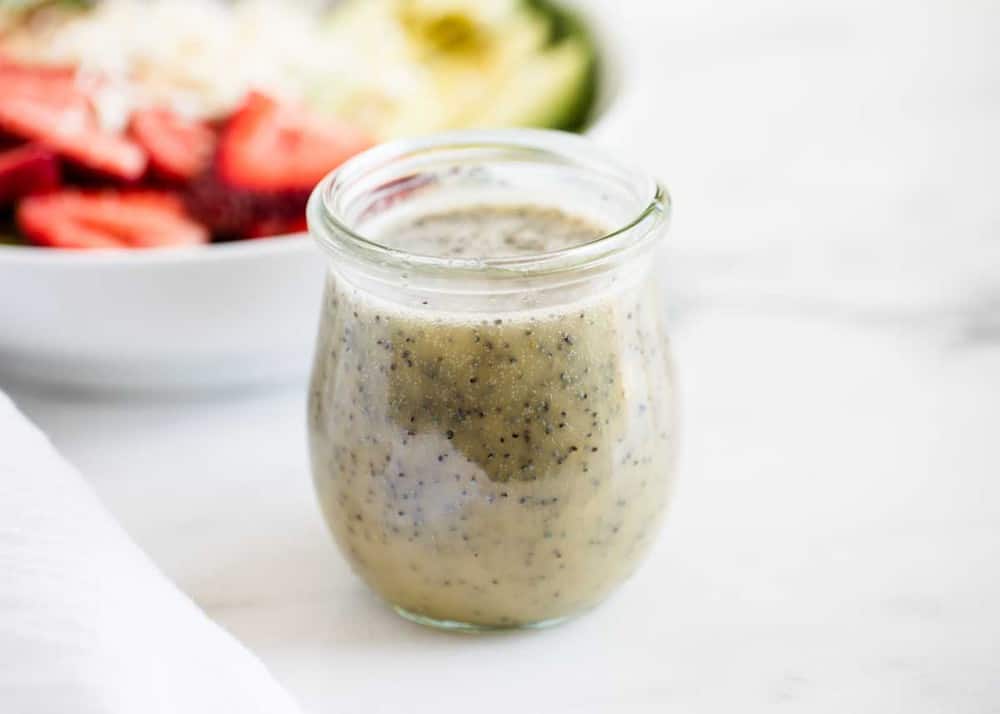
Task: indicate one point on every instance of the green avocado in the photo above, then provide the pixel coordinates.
(553, 86)
(570, 108)
(554, 90)
(475, 63)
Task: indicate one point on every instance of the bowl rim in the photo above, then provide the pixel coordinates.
(612, 84)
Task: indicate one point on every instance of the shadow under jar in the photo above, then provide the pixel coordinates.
(491, 413)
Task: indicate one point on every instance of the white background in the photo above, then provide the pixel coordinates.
(834, 284)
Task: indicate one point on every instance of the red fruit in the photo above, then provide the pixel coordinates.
(239, 213)
(27, 170)
(108, 219)
(269, 157)
(228, 212)
(270, 146)
(72, 134)
(10, 65)
(276, 226)
(44, 105)
(57, 85)
(178, 148)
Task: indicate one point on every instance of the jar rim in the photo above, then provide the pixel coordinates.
(329, 228)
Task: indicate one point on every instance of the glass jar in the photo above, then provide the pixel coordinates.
(492, 440)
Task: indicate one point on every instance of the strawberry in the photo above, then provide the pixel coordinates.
(108, 219)
(227, 211)
(48, 106)
(234, 213)
(269, 157)
(11, 65)
(56, 84)
(178, 148)
(269, 146)
(27, 170)
(277, 226)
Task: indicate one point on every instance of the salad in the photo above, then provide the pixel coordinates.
(155, 123)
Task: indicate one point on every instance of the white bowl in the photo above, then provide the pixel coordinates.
(230, 314)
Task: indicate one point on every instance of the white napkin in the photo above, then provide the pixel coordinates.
(87, 623)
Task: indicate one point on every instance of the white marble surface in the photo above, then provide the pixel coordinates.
(834, 281)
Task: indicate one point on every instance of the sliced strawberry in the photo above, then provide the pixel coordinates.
(27, 170)
(43, 105)
(240, 213)
(269, 157)
(178, 148)
(108, 219)
(271, 146)
(227, 211)
(11, 65)
(72, 134)
(57, 85)
(277, 226)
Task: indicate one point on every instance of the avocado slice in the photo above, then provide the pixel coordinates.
(578, 97)
(552, 85)
(553, 89)
(466, 64)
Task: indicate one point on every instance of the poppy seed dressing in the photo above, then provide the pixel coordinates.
(493, 470)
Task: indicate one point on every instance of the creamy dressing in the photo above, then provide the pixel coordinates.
(490, 232)
(493, 472)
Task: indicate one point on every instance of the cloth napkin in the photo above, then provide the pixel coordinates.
(88, 625)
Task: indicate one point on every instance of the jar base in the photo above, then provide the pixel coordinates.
(472, 628)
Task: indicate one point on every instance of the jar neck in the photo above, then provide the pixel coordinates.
(550, 169)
